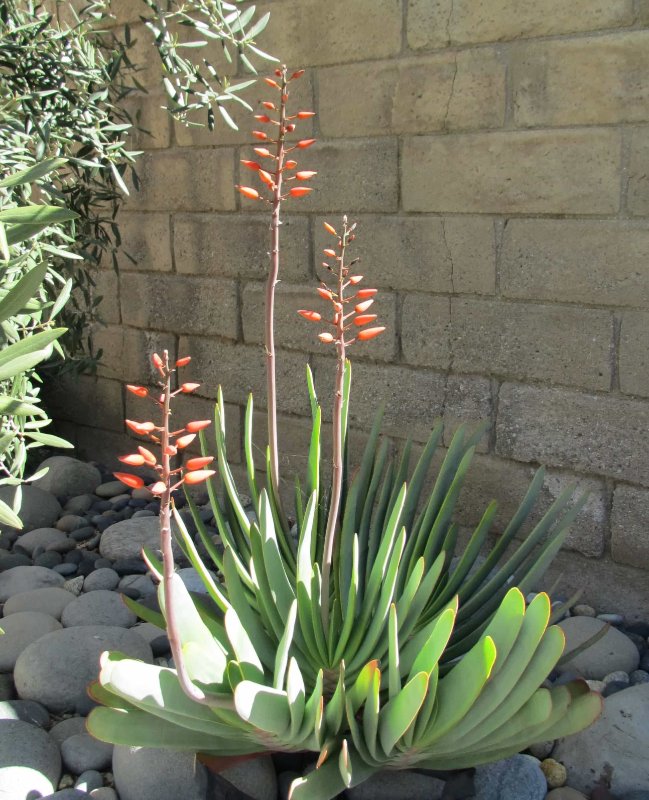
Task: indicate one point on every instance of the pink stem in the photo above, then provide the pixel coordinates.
(337, 473)
(167, 550)
(271, 380)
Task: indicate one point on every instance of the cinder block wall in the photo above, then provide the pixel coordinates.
(495, 154)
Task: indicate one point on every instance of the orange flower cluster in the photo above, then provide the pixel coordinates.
(282, 170)
(363, 299)
(170, 442)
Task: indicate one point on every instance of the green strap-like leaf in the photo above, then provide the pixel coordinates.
(400, 713)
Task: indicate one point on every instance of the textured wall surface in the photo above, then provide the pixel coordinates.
(495, 154)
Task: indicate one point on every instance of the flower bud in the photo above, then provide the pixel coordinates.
(198, 463)
(290, 127)
(189, 387)
(139, 391)
(270, 106)
(325, 293)
(272, 83)
(197, 425)
(157, 361)
(297, 74)
(290, 164)
(312, 316)
(247, 191)
(325, 338)
(361, 307)
(140, 427)
(262, 118)
(130, 480)
(182, 362)
(362, 294)
(330, 228)
(253, 165)
(329, 252)
(354, 279)
(185, 441)
(149, 459)
(266, 177)
(305, 114)
(157, 488)
(198, 476)
(132, 459)
(363, 319)
(304, 175)
(260, 135)
(304, 143)
(300, 191)
(170, 450)
(264, 152)
(368, 333)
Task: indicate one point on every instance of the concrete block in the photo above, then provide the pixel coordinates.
(549, 343)
(596, 434)
(433, 25)
(581, 261)
(185, 180)
(585, 81)
(447, 91)
(238, 246)
(545, 172)
(180, 304)
(629, 523)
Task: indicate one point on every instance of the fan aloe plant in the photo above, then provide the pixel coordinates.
(364, 639)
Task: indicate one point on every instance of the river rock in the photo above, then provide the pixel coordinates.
(388, 784)
(70, 522)
(256, 778)
(125, 539)
(50, 601)
(614, 651)
(143, 773)
(24, 579)
(102, 578)
(20, 630)
(616, 745)
(56, 669)
(25, 710)
(40, 537)
(82, 752)
(66, 728)
(38, 509)
(98, 608)
(142, 584)
(69, 477)
(79, 504)
(515, 778)
(30, 763)
(110, 489)
(565, 793)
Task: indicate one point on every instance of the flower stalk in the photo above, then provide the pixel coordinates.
(169, 479)
(341, 323)
(273, 180)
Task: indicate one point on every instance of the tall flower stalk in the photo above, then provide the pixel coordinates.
(342, 323)
(273, 179)
(169, 478)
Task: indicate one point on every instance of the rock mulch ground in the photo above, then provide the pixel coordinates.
(60, 584)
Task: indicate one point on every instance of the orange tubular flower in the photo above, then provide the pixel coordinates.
(198, 463)
(186, 388)
(260, 135)
(247, 191)
(182, 362)
(142, 428)
(362, 307)
(272, 83)
(305, 114)
(312, 316)
(329, 252)
(132, 459)
(266, 177)
(197, 425)
(368, 333)
(363, 319)
(354, 279)
(363, 294)
(198, 476)
(305, 175)
(262, 118)
(290, 164)
(264, 152)
(270, 106)
(304, 143)
(300, 191)
(330, 228)
(149, 459)
(130, 480)
(325, 338)
(157, 488)
(325, 294)
(139, 391)
(297, 74)
(185, 441)
(157, 361)
(253, 165)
